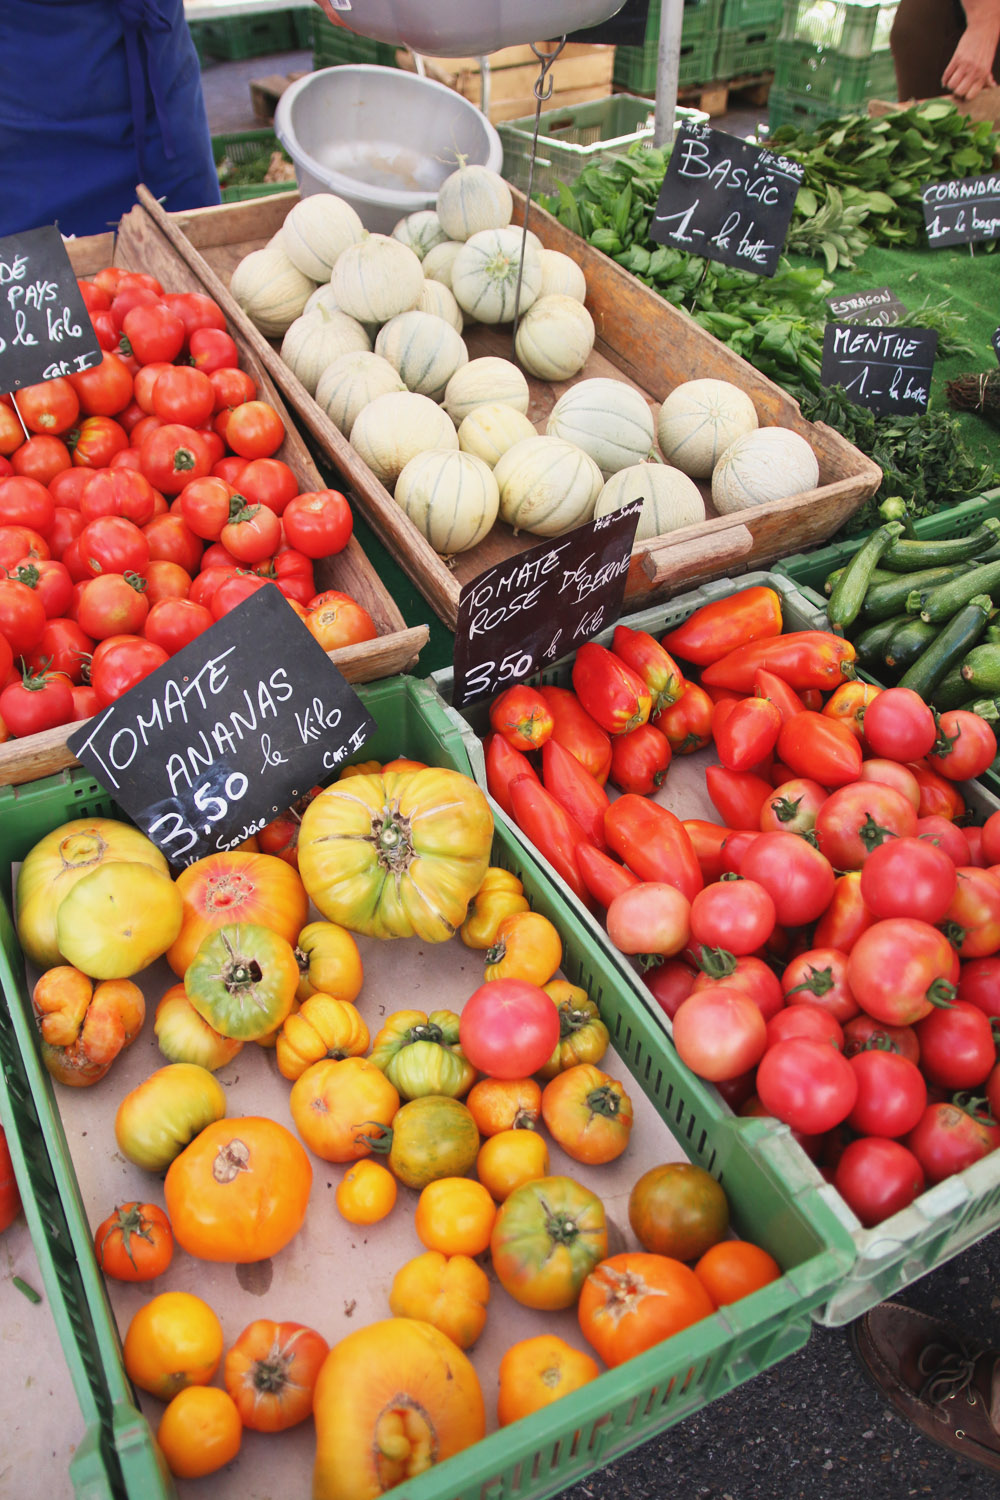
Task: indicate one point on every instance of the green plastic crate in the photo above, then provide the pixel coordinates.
(242, 149)
(741, 53)
(534, 1458)
(789, 107)
(743, 15)
(851, 28)
(302, 25)
(635, 68)
(578, 136)
(941, 1222)
(235, 38)
(844, 83)
(334, 44)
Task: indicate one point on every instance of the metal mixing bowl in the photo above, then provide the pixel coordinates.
(452, 28)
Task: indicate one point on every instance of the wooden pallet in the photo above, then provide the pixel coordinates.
(723, 95)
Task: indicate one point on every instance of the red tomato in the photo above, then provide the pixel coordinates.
(653, 842)
(318, 523)
(252, 533)
(719, 1032)
(64, 647)
(864, 1031)
(609, 690)
(112, 604)
(892, 1093)
(50, 580)
(183, 394)
(254, 430)
(68, 486)
(175, 623)
(166, 580)
(575, 790)
(171, 539)
(957, 1050)
(207, 583)
(173, 455)
(508, 1028)
(749, 974)
(892, 773)
(196, 311)
(899, 725)
(823, 749)
(807, 1084)
(26, 502)
(212, 349)
(908, 877)
(119, 662)
(991, 838)
(793, 806)
(42, 457)
(105, 389)
(737, 915)
(232, 591)
(17, 542)
(112, 544)
(939, 797)
(747, 734)
(798, 878)
(965, 747)
(36, 701)
(96, 441)
(118, 492)
(22, 616)
(846, 917)
(687, 723)
(878, 1178)
(267, 481)
(819, 977)
(979, 984)
(154, 333)
(335, 619)
(521, 715)
(670, 983)
(899, 968)
(640, 760)
(805, 1020)
(856, 819)
(972, 919)
(948, 1138)
(232, 388)
(737, 796)
(650, 917)
(577, 732)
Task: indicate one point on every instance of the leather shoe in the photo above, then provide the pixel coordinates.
(945, 1383)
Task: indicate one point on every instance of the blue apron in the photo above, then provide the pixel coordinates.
(96, 96)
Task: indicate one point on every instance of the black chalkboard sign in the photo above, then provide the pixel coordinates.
(879, 308)
(885, 369)
(227, 733)
(996, 343)
(541, 604)
(962, 209)
(45, 329)
(726, 199)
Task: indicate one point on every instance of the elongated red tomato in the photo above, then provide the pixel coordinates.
(503, 764)
(747, 734)
(603, 876)
(576, 790)
(707, 840)
(718, 628)
(657, 668)
(812, 745)
(687, 723)
(610, 691)
(577, 732)
(738, 796)
(640, 760)
(803, 659)
(653, 843)
(785, 699)
(551, 829)
(846, 916)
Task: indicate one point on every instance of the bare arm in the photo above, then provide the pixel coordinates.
(971, 65)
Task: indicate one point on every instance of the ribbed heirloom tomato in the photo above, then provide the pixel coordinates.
(270, 1372)
(632, 1301)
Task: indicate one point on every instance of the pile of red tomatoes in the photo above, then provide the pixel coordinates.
(145, 502)
(829, 951)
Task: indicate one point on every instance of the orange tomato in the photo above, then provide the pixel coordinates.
(500, 895)
(270, 1373)
(588, 1113)
(455, 1215)
(135, 1242)
(848, 703)
(449, 1291)
(537, 1371)
(239, 1191)
(223, 889)
(631, 1301)
(509, 1158)
(527, 946)
(366, 1193)
(505, 1104)
(337, 1104)
(329, 961)
(733, 1269)
(404, 763)
(173, 1341)
(199, 1432)
(323, 1026)
(338, 620)
(185, 1037)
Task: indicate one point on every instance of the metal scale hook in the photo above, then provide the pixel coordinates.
(543, 90)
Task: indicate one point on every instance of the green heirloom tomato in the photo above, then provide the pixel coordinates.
(159, 1118)
(548, 1236)
(419, 1054)
(429, 1138)
(242, 980)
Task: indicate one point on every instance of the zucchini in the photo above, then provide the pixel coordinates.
(981, 670)
(879, 575)
(952, 643)
(945, 600)
(852, 585)
(988, 709)
(871, 644)
(905, 556)
(889, 598)
(907, 642)
(952, 691)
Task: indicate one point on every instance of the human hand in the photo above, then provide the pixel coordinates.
(970, 68)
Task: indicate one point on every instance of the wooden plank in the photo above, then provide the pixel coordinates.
(640, 339)
(140, 245)
(506, 57)
(524, 109)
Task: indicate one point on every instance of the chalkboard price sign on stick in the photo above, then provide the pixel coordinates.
(885, 369)
(962, 209)
(726, 199)
(227, 733)
(45, 329)
(541, 604)
(879, 308)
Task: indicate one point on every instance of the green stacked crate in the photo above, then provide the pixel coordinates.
(302, 25)
(748, 37)
(636, 67)
(236, 38)
(333, 45)
(831, 57)
(248, 149)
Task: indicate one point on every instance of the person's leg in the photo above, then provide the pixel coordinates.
(923, 37)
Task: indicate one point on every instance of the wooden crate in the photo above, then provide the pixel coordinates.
(140, 245)
(579, 73)
(640, 339)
